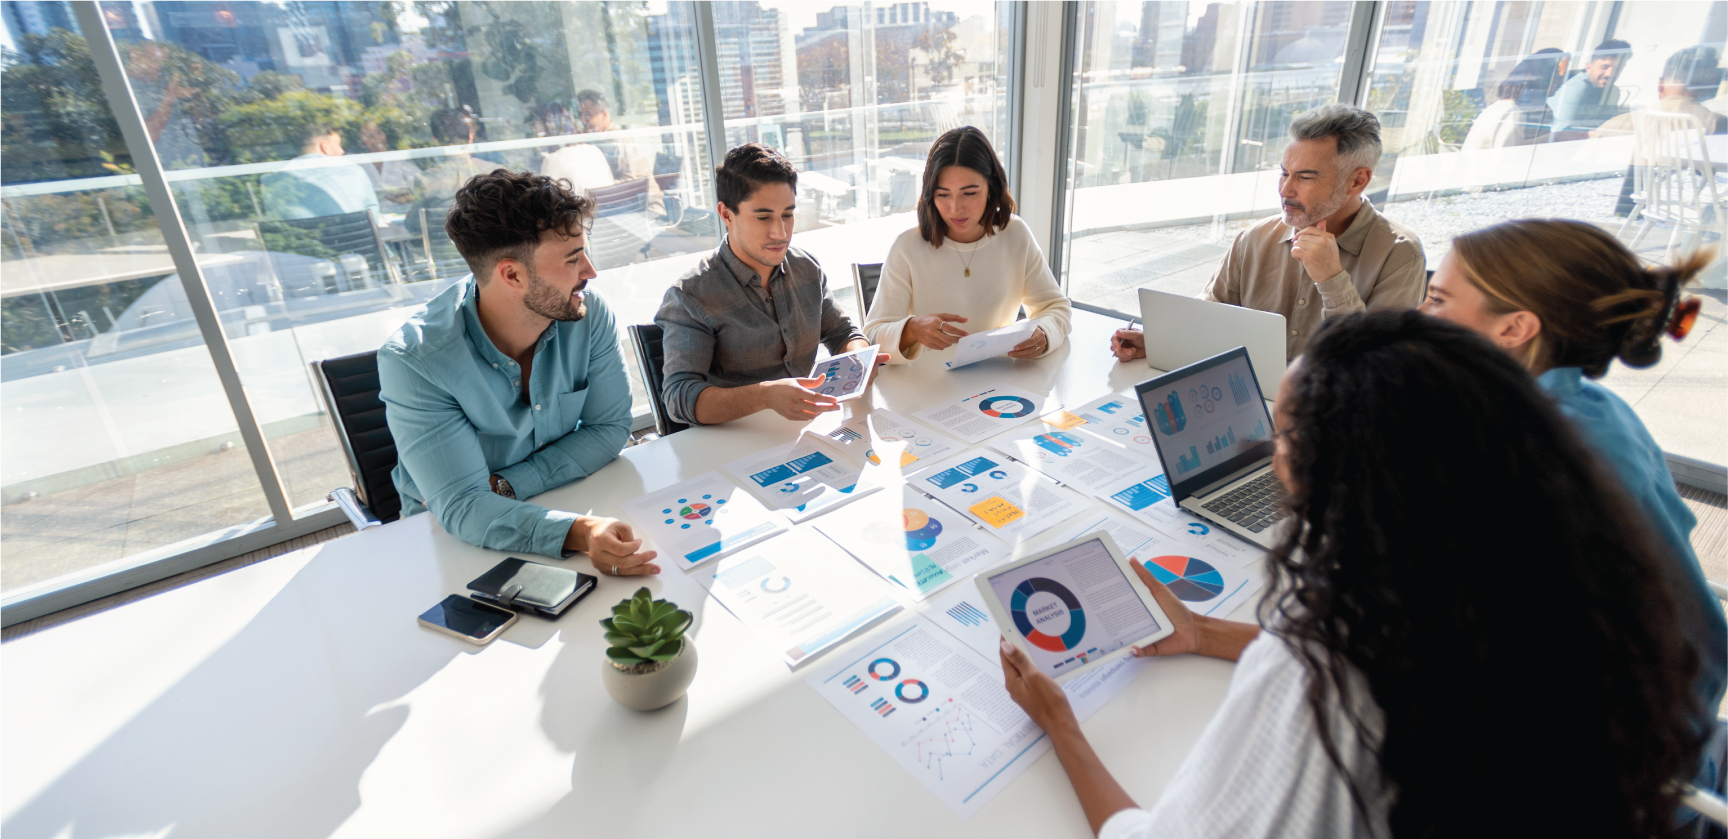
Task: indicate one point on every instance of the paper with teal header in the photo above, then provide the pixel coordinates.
(937, 708)
(700, 520)
(912, 541)
(800, 479)
(798, 593)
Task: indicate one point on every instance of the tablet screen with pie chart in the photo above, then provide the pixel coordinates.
(1073, 606)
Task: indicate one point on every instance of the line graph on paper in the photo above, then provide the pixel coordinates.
(943, 734)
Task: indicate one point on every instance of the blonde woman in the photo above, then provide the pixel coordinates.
(969, 266)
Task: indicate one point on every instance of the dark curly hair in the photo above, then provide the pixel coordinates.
(746, 169)
(1595, 300)
(501, 214)
(964, 146)
(1457, 544)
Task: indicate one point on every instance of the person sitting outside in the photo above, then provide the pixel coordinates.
(969, 261)
(740, 330)
(582, 165)
(510, 382)
(629, 157)
(1427, 669)
(1519, 115)
(1688, 76)
(1591, 98)
(1566, 298)
(1329, 253)
(311, 186)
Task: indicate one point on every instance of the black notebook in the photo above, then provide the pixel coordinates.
(531, 587)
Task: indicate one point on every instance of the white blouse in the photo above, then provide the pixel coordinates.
(1008, 271)
(1259, 768)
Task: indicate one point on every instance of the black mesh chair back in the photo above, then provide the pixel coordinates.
(651, 357)
(865, 277)
(349, 387)
(325, 255)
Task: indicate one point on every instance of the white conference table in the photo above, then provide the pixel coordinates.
(298, 696)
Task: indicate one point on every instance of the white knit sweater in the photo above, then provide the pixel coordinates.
(1008, 271)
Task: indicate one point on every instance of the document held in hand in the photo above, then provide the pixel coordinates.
(981, 345)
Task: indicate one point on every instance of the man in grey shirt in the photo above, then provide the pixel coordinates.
(742, 327)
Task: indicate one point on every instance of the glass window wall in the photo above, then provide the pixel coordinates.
(854, 96)
(1181, 114)
(118, 439)
(1504, 110)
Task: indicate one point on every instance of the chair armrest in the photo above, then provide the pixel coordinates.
(356, 511)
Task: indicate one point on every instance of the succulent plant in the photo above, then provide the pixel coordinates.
(643, 630)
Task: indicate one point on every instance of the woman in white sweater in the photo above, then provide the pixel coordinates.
(1426, 670)
(970, 264)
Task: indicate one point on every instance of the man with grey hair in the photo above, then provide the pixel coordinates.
(1328, 253)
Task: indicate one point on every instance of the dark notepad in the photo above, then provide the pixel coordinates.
(529, 586)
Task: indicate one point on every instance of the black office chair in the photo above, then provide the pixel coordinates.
(346, 253)
(349, 388)
(865, 278)
(651, 357)
(621, 232)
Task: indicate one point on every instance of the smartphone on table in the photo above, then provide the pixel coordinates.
(468, 619)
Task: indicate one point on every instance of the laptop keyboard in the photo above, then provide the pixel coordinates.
(1255, 505)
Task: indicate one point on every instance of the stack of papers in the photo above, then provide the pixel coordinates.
(800, 479)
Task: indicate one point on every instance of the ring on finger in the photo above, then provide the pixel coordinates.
(614, 570)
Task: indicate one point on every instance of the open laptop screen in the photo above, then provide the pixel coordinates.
(1208, 420)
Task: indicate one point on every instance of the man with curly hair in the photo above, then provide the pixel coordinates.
(510, 383)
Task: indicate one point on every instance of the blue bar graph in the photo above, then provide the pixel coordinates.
(1259, 432)
(1239, 389)
(1222, 441)
(968, 615)
(1189, 462)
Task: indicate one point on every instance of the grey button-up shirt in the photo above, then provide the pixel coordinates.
(720, 329)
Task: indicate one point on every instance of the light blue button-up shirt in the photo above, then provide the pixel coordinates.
(1613, 430)
(455, 408)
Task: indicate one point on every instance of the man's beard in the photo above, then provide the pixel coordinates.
(544, 300)
(1307, 217)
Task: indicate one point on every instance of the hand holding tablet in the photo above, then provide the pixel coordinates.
(1073, 606)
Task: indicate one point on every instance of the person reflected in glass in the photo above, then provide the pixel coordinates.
(969, 266)
(740, 330)
(510, 383)
(1328, 254)
(1590, 97)
(392, 179)
(1688, 77)
(436, 184)
(1519, 115)
(312, 186)
(582, 165)
(629, 157)
(1458, 608)
(1566, 299)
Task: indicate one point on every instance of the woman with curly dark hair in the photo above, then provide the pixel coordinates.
(1474, 630)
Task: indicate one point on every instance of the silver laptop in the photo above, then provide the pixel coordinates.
(1182, 330)
(1212, 430)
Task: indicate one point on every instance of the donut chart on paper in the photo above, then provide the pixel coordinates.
(923, 691)
(877, 667)
(1190, 579)
(1006, 407)
(1076, 616)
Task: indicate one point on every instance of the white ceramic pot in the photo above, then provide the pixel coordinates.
(656, 689)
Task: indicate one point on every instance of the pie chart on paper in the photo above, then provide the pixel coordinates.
(1188, 578)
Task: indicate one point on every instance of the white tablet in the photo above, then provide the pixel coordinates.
(1074, 606)
(847, 374)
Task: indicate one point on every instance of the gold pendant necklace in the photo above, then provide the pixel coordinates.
(967, 262)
